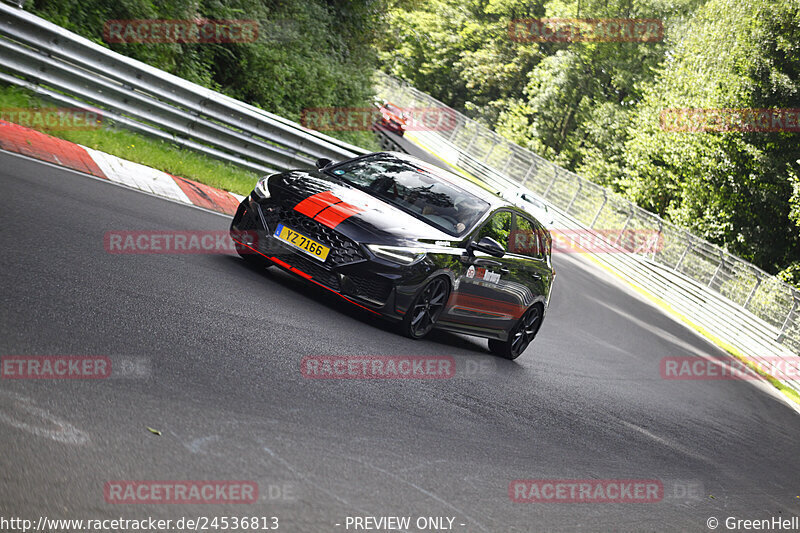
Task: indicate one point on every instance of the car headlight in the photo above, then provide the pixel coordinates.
(262, 189)
(403, 255)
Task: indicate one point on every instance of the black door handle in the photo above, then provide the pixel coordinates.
(504, 270)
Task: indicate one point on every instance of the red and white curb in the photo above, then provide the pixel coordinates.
(31, 143)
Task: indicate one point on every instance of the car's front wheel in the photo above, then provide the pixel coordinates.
(520, 335)
(429, 303)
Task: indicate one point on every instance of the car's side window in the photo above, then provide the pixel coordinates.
(498, 227)
(524, 239)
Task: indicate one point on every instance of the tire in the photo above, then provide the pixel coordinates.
(520, 336)
(426, 308)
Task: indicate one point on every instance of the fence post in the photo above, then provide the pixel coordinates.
(597, 215)
(528, 172)
(685, 251)
(471, 141)
(555, 177)
(486, 157)
(574, 196)
(719, 267)
(508, 162)
(785, 325)
(752, 292)
(454, 130)
(659, 242)
(624, 226)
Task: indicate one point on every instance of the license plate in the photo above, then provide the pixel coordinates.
(302, 243)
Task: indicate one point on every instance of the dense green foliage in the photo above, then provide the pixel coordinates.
(309, 53)
(594, 107)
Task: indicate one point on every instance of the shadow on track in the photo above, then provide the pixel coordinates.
(336, 304)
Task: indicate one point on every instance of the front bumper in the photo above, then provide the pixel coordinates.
(350, 270)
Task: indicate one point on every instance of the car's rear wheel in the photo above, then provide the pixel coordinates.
(520, 335)
(426, 308)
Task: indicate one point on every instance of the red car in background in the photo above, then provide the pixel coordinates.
(392, 118)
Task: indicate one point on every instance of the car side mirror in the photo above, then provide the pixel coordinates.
(487, 245)
(323, 162)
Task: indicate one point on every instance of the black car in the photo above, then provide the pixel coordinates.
(406, 241)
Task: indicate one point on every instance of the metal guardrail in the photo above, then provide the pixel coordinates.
(73, 71)
(739, 303)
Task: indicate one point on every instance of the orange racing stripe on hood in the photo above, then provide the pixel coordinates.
(327, 209)
(312, 205)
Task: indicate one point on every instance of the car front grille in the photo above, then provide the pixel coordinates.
(344, 251)
(311, 267)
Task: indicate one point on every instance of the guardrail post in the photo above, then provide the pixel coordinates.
(597, 215)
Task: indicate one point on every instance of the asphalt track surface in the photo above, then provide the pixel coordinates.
(222, 344)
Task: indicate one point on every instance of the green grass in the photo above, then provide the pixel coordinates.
(140, 149)
(166, 157)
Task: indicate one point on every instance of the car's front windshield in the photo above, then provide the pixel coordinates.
(415, 190)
